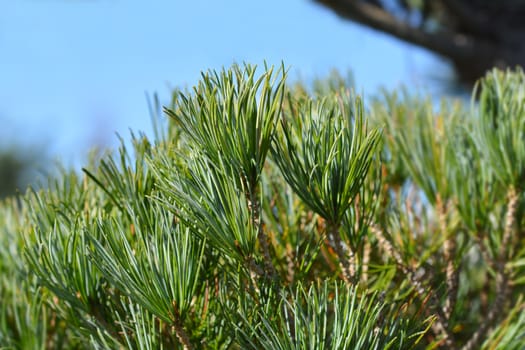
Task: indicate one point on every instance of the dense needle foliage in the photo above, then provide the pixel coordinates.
(273, 217)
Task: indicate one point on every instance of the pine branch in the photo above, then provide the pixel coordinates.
(180, 332)
(440, 326)
(345, 262)
(449, 253)
(255, 207)
(502, 276)
(367, 250)
(510, 223)
(502, 292)
(290, 265)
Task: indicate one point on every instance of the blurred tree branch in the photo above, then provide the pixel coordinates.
(475, 35)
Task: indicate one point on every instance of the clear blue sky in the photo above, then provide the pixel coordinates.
(74, 72)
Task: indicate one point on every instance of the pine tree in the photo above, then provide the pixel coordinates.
(273, 217)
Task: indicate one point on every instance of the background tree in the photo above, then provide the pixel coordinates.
(475, 35)
(18, 168)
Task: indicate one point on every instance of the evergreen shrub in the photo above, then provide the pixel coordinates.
(264, 216)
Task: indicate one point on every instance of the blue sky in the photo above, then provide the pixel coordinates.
(74, 72)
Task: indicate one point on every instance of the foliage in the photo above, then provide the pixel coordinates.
(267, 217)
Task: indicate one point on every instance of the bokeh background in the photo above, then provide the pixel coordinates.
(73, 73)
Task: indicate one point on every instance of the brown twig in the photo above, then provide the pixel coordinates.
(255, 207)
(290, 264)
(180, 332)
(367, 250)
(337, 244)
(449, 253)
(440, 326)
(510, 223)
